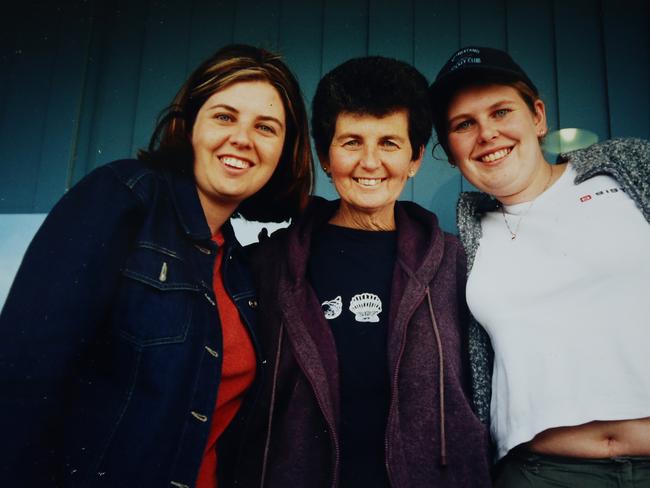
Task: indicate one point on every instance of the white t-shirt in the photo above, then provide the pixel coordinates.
(567, 308)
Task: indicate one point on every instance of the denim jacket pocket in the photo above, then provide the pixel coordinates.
(154, 303)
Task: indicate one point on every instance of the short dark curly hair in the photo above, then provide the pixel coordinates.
(372, 85)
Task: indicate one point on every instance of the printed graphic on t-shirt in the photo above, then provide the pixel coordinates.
(605, 191)
(332, 308)
(366, 307)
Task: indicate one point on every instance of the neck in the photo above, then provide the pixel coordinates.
(545, 176)
(216, 214)
(383, 219)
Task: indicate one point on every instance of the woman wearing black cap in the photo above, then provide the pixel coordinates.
(558, 263)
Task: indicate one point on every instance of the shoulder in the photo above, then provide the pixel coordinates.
(128, 179)
(627, 160)
(268, 250)
(139, 177)
(630, 156)
(470, 208)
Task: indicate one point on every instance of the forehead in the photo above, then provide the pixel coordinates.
(257, 96)
(477, 97)
(366, 125)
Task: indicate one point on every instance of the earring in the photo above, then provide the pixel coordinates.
(411, 173)
(327, 171)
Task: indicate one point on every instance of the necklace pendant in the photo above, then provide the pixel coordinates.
(514, 236)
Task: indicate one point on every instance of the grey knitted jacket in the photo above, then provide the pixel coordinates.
(626, 160)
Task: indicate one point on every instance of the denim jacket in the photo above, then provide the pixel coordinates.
(110, 341)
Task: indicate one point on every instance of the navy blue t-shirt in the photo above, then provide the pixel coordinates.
(351, 271)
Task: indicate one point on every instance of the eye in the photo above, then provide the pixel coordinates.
(463, 125)
(502, 112)
(352, 144)
(223, 117)
(267, 128)
(389, 144)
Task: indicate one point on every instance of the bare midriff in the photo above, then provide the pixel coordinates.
(599, 439)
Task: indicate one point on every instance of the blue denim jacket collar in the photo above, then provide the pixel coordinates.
(188, 207)
(187, 204)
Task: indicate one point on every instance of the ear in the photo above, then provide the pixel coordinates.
(324, 162)
(414, 165)
(539, 118)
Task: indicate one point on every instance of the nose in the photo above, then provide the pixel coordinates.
(370, 159)
(487, 131)
(240, 136)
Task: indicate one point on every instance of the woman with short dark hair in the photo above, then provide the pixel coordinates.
(128, 339)
(363, 304)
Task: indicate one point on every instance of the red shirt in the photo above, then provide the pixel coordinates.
(237, 371)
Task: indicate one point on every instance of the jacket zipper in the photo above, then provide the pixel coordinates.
(394, 390)
(331, 431)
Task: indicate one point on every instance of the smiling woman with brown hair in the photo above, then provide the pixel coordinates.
(559, 265)
(128, 340)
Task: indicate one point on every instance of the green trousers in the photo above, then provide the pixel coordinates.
(522, 469)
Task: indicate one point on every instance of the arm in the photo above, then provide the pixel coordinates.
(58, 302)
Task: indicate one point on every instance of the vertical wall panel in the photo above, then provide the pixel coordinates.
(300, 43)
(627, 58)
(9, 52)
(110, 91)
(345, 31)
(436, 37)
(483, 23)
(390, 29)
(112, 84)
(257, 22)
(164, 62)
(23, 122)
(582, 96)
(212, 26)
(65, 99)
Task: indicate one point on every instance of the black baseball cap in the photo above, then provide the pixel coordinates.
(477, 63)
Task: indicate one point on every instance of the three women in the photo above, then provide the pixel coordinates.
(558, 267)
(131, 317)
(128, 338)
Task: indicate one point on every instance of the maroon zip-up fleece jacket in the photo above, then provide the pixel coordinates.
(433, 439)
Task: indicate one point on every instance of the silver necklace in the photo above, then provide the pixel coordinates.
(513, 234)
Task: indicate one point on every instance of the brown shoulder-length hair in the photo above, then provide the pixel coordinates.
(288, 190)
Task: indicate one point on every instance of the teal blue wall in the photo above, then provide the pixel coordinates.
(81, 82)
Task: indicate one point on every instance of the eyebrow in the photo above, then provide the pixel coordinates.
(359, 136)
(259, 117)
(491, 107)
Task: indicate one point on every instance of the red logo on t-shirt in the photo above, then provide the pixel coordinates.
(585, 198)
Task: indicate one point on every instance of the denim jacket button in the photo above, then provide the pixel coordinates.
(178, 484)
(204, 250)
(212, 351)
(162, 277)
(252, 303)
(199, 416)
